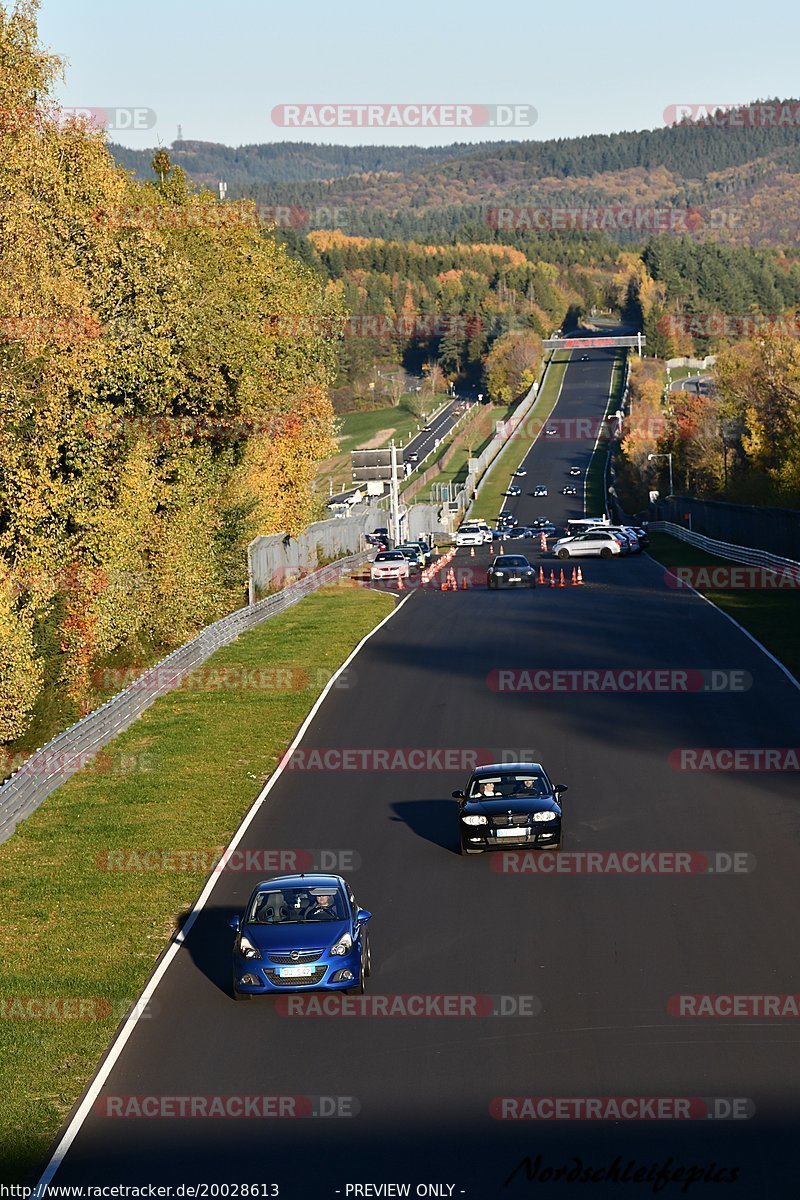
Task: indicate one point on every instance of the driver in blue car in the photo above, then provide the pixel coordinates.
(323, 909)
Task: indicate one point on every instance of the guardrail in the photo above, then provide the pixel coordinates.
(72, 749)
(740, 554)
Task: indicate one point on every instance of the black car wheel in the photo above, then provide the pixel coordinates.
(565, 553)
(367, 958)
(605, 552)
(360, 987)
(490, 583)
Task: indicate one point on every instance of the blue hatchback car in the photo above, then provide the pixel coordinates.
(300, 933)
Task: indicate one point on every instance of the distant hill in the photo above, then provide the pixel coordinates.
(744, 179)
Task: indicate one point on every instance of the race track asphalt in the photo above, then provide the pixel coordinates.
(591, 956)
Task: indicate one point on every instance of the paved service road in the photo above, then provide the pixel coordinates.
(590, 958)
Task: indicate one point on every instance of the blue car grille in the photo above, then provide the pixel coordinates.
(317, 977)
(299, 956)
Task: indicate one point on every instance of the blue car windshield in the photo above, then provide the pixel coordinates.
(296, 905)
(504, 786)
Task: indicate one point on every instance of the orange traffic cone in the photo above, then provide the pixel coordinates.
(561, 581)
(464, 582)
(552, 578)
(574, 577)
(502, 549)
(542, 542)
(541, 575)
(472, 551)
(579, 580)
(400, 587)
(491, 547)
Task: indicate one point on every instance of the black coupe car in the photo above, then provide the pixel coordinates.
(511, 570)
(512, 805)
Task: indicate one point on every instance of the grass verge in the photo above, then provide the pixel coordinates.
(180, 779)
(489, 499)
(595, 476)
(771, 615)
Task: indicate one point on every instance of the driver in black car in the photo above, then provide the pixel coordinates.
(529, 787)
(323, 909)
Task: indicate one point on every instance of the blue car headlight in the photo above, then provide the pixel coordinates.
(344, 945)
(476, 820)
(544, 816)
(247, 949)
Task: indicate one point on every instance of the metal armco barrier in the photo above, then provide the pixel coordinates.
(740, 554)
(66, 753)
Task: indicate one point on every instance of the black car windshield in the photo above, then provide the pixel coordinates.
(505, 786)
(296, 905)
(512, 560)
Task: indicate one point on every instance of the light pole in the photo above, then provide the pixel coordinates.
(669, 456)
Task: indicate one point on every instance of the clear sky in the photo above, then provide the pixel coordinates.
(218, 69)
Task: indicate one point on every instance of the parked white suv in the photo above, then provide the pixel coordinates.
(598, 542)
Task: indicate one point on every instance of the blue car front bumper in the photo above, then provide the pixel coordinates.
(330, 972)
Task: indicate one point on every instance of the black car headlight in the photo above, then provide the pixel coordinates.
(475, 820)
(545, 816)
(247, 949)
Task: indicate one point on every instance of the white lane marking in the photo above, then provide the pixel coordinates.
(118, 1045)
(733, 621)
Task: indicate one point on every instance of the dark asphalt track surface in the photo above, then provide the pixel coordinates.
(601, 953)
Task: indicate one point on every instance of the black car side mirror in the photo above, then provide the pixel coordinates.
(559, 788)
(459, 796)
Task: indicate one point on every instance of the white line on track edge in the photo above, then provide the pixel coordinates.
(733, 621)
(118, 1045)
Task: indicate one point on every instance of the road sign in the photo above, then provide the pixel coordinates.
(373, 464)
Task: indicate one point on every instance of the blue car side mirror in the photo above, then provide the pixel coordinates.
(235, 923)
(362, 916)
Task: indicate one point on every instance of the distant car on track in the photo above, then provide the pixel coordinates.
(513, 490)
(520, 471)
(569, 489)
(509, 805)
(539, 490)
(510, 570)
(300, 932)
(584, 358)
(574, 471)
(551, 431)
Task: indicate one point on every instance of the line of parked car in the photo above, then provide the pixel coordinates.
(401, 561)
(587, 540)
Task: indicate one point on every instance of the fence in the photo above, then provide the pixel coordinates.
(774, 529)
(275, 557)
(700, 364)
(65, 754)
(740, 554)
